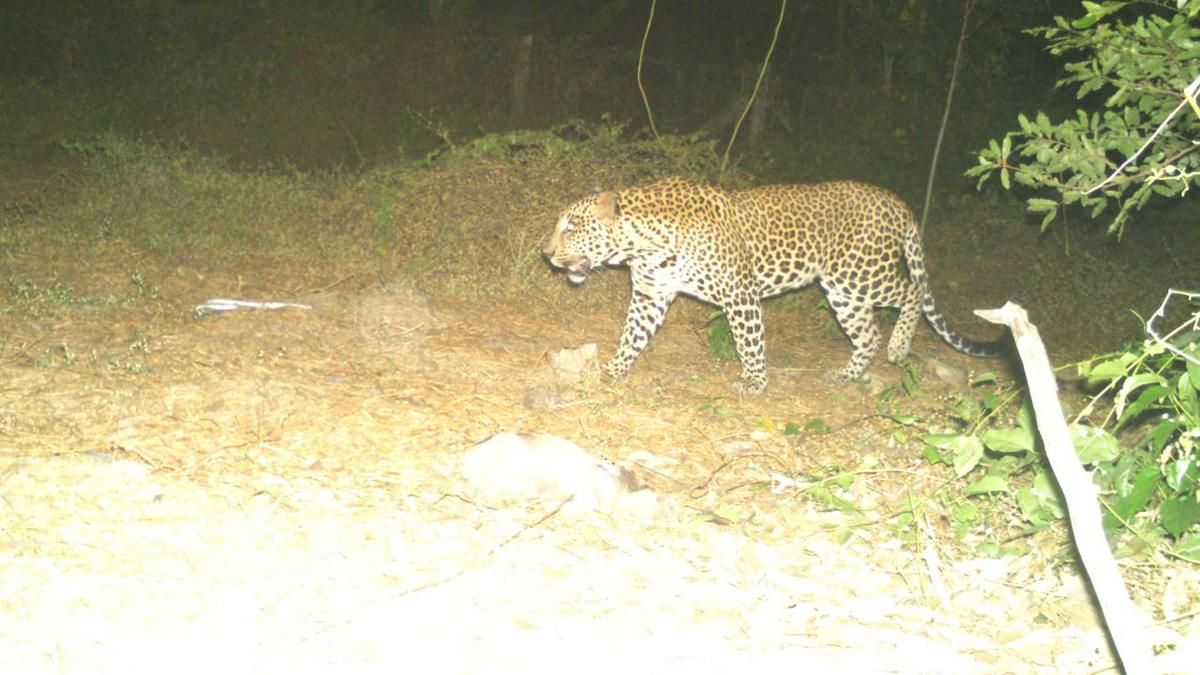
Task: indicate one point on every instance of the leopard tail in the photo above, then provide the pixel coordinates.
(914, 255)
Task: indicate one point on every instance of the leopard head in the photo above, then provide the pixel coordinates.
(583, 238)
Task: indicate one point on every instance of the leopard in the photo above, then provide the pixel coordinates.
(733, 248)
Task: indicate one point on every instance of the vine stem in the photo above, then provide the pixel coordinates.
(758, 83)
(968, 6)
(641, 59)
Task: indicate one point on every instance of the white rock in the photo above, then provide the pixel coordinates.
(511, 467)
(572, 365)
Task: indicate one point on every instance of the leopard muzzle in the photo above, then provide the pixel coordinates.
(577, 267)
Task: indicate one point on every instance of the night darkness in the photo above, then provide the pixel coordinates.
(293, 81)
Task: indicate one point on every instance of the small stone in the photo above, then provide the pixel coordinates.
(572, 365)
(947, 373)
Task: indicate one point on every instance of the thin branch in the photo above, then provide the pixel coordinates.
(1189, 97)
(641, 58)
(968, 6)
(762, 71)
(1165, 340)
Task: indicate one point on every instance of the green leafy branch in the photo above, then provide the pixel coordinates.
(1143, 448)
(1147, 69)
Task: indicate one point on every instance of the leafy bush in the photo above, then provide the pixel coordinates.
(1143, 448)
(720, 337)
(1140, 58)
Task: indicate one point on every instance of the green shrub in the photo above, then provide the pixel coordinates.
(1143, 447)
(1140, 57)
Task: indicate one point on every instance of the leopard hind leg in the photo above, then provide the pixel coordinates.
(900, 342)
(857, 320)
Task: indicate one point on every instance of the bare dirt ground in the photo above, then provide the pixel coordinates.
(281, 490)
(271, 491)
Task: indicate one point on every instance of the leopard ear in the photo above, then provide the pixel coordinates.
(608, 206)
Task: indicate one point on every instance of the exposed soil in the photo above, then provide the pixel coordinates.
(271, 490)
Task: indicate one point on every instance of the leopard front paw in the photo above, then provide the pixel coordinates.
(614, 370)
(840, 377)
(835, 378)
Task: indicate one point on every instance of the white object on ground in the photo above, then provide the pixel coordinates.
(512, 467)
(227, 305)
(571, 365)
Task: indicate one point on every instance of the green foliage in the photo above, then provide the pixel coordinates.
(1139, 58)
(465, 221)
(1144, 451)
(56, 298)
(169, 199)
(719, 337)
(815, 425)
(562, 139)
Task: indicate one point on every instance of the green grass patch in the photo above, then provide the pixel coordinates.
(467, 220)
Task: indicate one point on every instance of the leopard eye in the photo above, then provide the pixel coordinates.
(568, 227)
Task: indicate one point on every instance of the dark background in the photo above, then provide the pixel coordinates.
(856, 88)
